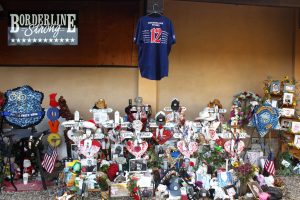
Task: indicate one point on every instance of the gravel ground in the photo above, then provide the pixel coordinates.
(291, 191)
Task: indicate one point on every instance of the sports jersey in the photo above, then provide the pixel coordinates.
(154, 37)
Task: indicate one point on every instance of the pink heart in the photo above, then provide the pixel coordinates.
(91, 150)
(187, 150)
(137, 150)
(237, 150)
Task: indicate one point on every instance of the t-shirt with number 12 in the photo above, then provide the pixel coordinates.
(154, 37)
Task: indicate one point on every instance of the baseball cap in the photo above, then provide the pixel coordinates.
(174, 187)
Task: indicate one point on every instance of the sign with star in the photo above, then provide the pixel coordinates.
(51, 28)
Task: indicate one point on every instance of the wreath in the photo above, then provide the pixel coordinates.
(242, 109)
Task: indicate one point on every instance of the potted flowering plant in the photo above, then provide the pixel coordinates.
(244, 171)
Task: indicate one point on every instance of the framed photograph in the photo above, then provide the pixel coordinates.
(285, 124)
(295, 127)
(230, 190)
(137, 165)
(287, 112)
(288, 88)
(224, 179)
(255, 188)
(288, 98)
(159, 149)
(74, 151)
(119, 190)
(89, 165)
(274, 103)
(297, 141)
(117, 150)
(146, 192)
(275, 87)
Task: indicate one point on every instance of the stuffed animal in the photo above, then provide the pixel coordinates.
(15, 169)
(27, 167)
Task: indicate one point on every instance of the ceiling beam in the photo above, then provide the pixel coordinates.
(274, 3)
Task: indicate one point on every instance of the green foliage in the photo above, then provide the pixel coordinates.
(285, 171)
(102, 181)
(212, 157)
(154, 160)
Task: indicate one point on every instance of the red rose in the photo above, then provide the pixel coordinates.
(192, 164)
(135, 189)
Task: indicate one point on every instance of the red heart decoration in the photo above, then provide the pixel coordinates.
(166, 135)
(137, 150)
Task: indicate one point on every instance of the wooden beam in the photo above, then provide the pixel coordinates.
(273, 3)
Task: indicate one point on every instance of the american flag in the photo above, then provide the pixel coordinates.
(49, 159)
(269, 165)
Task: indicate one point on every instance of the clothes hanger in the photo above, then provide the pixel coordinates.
(155, 12)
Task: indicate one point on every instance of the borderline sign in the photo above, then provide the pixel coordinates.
(35, 28)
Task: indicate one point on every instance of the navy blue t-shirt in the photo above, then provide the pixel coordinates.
(154, 37)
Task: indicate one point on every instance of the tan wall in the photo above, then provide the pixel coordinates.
(81, 87)
(224, 49)
(297, 54)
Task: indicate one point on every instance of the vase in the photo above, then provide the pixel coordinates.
(104, 195)
(243, 189)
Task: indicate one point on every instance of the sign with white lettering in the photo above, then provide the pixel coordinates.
(53, 28)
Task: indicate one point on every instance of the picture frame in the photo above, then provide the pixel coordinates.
(89, 165)
(74, 152)
(275, 87)
(297, 141)
(288, 112)
(288, 98)
(119, 190)
(117, 150)
(137, 165)
(146, 192)
(295, 127)
(230, 190)
(274, 103)
(285, 124)
(160, 150)
(255, 188)
(224, 179)
(289, 88)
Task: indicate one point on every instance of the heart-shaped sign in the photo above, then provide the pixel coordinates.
(161, 135)
(187, 149)
(76, 135)
(234, 148)
(89, 147)
(137, 149)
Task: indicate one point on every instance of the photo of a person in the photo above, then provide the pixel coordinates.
(159, 149)
(117, 150)
(89, 165)
(138, 165)
(74, 151)
(255, 188)
(275, 87)
(288, 98)
(285, 124)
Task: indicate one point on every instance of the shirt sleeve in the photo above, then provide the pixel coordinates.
(172, 38)
(138, 33)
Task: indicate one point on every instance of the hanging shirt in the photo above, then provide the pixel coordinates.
(154, 37)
